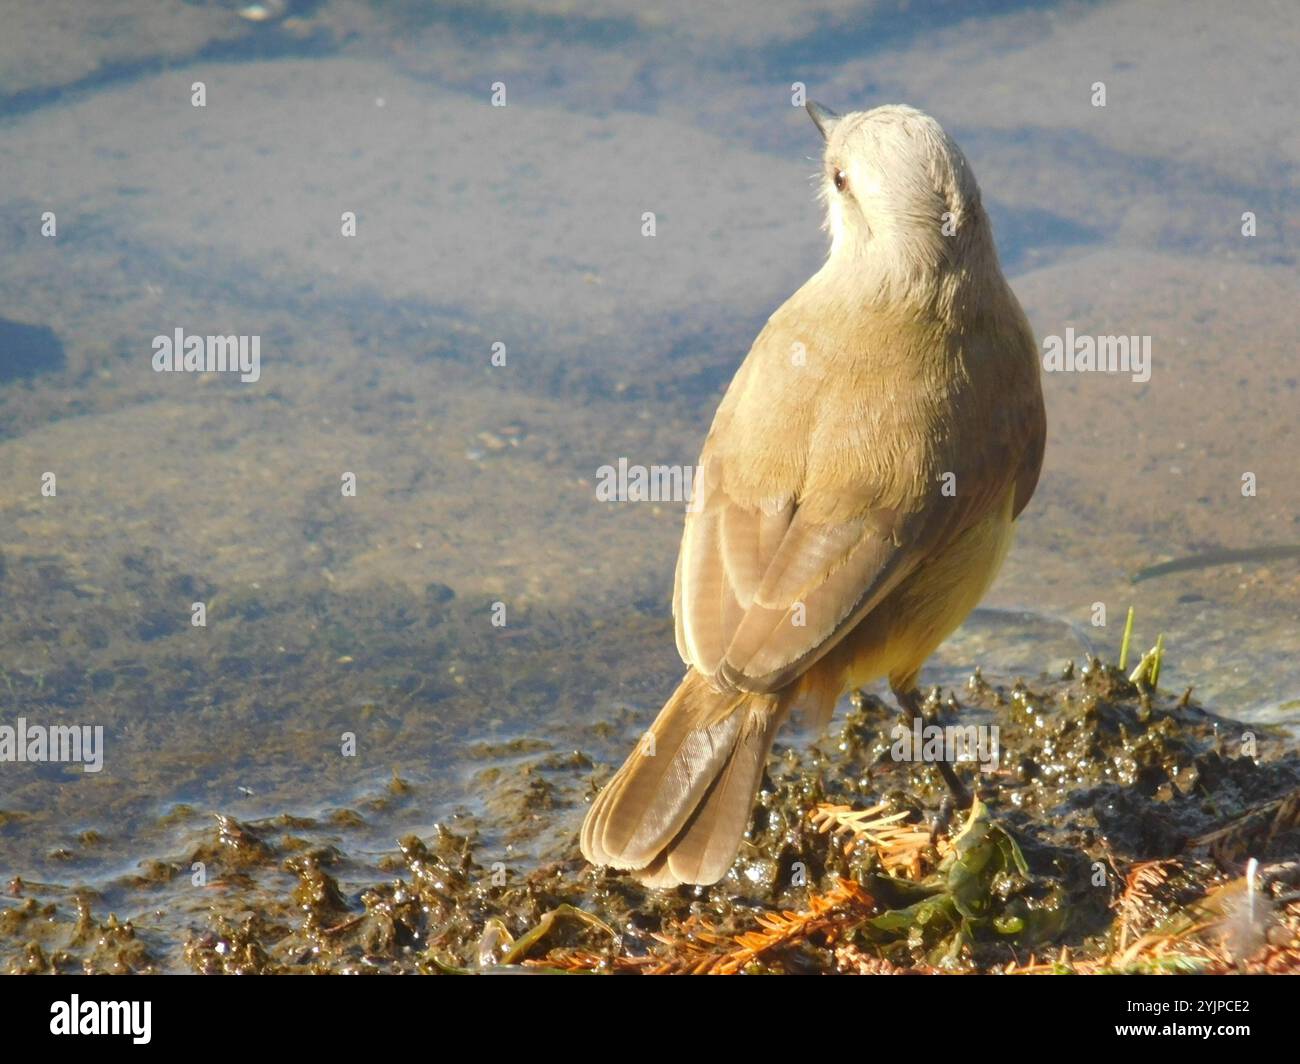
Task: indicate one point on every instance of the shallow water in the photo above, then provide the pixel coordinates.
(372, 615)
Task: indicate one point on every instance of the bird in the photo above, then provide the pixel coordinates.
(854, 497)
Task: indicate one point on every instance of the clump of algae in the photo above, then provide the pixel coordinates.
(1123, 829)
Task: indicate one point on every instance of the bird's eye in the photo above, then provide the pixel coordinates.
(841, 180)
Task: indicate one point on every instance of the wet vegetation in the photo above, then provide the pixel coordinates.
(1123, 830)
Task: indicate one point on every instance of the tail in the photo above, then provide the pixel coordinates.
(678, 808)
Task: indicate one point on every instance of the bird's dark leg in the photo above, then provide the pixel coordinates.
(910, 703)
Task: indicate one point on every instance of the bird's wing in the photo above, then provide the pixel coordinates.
(1028, 420)
(763, 592)
(1034, 429)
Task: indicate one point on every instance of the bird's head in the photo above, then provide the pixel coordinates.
(898, 192)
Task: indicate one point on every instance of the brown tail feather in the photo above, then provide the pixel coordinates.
(706, 847)
(676, 813)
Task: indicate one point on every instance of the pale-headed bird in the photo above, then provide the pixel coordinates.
(854, 498)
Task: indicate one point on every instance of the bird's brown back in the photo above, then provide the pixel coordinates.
(821, 478)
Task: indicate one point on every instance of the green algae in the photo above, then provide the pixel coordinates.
(1099, 776)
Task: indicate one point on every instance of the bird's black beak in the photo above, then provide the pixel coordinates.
(823, 117)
